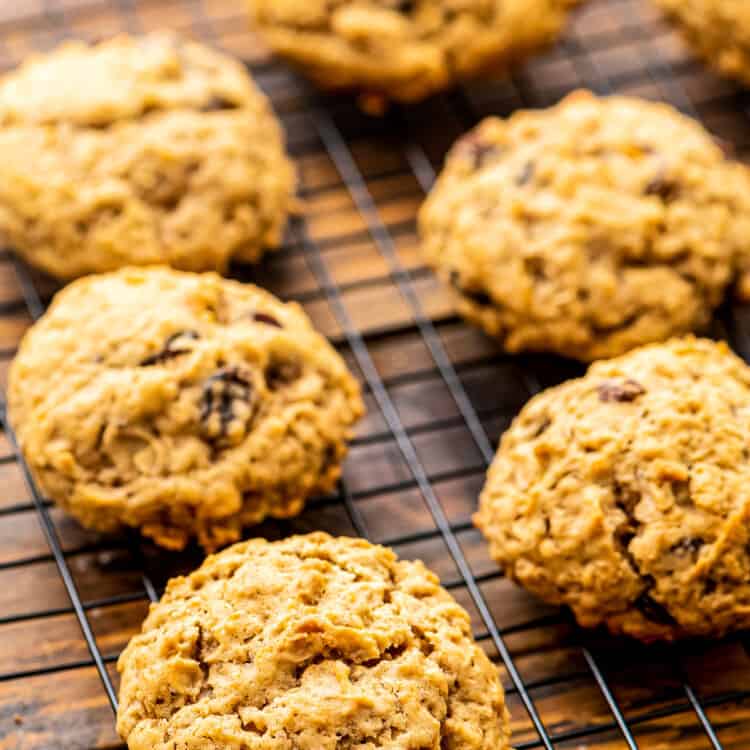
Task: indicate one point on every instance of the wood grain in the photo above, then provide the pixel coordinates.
(51, 696)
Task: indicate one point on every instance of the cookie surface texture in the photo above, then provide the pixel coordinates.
(182, 404)
(136, 151)
(405, 50)
(589, 228)
(625, 494)
(315, 643)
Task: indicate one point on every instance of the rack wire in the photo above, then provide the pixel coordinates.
(313, 268)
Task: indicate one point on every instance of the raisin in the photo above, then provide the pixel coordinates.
(218, 104)
(681, 491)
(690, 544)
(650, 608)
(173, 347)
(663, 187)
(394, 651)
(628, 390)
(261, 317)
(227, 403)
(478, 298)
(477, 150)
(406, 6)
(526, 175)
(626, 501)
(282, 372)
(535, 268)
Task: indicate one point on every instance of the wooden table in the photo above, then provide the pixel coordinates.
(359, 232)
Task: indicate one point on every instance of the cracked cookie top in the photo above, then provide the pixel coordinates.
(313, 642)
(139, 150)
(625, 494)
(183, 404)
(591, 227)
(405, 49)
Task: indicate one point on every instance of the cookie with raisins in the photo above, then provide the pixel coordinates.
(405, 50)
(182, 404)
(625, 494)
(135, 151)
(718, 30)
(589, 228)
(310, 643)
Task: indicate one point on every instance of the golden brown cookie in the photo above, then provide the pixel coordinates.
(625, 494)
(138, 151)
(589, 228)
(405, 50)
(182, 404)
(719, 30)
(314, 643)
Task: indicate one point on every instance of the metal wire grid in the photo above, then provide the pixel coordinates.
(333, 139)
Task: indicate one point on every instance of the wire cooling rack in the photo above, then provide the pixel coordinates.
(439, 394)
